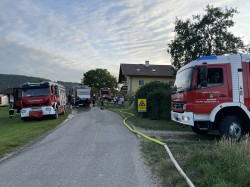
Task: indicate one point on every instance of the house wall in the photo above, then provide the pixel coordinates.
(133, 83)
(129, 83)
(4, 100)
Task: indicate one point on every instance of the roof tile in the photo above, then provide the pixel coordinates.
(143, 70)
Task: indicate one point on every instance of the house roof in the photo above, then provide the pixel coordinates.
(143, 70)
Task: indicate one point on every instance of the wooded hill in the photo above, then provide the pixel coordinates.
(13, 81)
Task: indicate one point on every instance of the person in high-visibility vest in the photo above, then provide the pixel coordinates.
(11, 110)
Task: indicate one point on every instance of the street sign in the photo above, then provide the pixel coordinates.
(142, 105)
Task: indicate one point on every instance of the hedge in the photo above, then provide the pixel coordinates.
(158, 97)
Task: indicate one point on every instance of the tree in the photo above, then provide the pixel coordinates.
(99, 78)
(247, 48)
(206, 35)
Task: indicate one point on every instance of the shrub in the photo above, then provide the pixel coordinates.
(158, 97)
(159, 104)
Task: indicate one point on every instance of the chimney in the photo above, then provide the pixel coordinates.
(147, 63)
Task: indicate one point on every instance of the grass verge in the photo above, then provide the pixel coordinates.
(148, 124)
(15, 133)
(207, 163)
(207, 160)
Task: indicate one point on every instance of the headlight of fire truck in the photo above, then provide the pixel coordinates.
(185, 108)
(185, 118)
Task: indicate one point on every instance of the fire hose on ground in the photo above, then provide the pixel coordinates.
(189, 182)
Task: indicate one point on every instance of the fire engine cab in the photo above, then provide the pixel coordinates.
(213, 93)
(82, 94)
(42, 99)
(105, 94)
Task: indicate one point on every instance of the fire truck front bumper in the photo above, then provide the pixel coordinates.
(37, 112)
(186, 118)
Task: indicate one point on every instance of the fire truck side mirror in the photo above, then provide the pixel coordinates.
(203, 71)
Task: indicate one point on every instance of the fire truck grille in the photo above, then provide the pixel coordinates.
(177, 105)
(35, 104)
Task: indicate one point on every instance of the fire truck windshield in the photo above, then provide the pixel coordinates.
(35, 92)
(183, 80)
(105, 93)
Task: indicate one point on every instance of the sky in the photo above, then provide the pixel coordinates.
(60, 40)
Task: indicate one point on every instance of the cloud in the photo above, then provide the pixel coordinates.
(17, 59)
(73, 37)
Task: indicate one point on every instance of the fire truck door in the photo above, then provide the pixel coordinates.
(208, 96)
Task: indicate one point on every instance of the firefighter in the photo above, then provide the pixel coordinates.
(115, 99)
(102, 103)
(77, 101)
(72, 102)
(93, 101)
(11, 110)
(69, 99)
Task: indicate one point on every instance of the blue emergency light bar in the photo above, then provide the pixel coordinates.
(207, 58)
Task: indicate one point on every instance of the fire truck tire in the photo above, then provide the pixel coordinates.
(24, 119)
(231, 127)
(198, 131)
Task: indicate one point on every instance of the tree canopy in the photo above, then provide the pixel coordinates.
(206, 35)
(99, 78)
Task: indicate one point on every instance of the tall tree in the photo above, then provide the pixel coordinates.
(247, 48)
(99, 78)
(206, 35)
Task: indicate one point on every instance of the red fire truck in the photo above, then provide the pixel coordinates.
(213, 93)
(82, 95)
(42, 99)
(105, 94)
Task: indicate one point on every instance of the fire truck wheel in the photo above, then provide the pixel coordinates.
(24, 119)
(231, 127)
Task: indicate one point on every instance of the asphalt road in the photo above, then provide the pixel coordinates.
(92, 149)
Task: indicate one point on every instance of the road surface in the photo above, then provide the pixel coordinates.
(92, 149)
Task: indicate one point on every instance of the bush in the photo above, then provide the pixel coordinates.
(158, 97)
(159, 104)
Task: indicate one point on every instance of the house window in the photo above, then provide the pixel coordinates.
(157, 81)
(141, 82)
